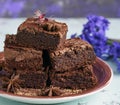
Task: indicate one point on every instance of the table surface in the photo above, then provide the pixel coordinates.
(109, 96)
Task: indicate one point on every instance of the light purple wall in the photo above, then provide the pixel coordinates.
(60, 8)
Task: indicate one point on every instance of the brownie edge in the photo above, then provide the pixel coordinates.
(47, 35)
(76, 53)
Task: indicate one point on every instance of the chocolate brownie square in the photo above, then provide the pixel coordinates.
(81, 78)
(26, 79)
(47, 35)
(76, 53)
(35, 80)
(21, 58)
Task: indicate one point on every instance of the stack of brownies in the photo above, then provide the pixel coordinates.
(39, 57)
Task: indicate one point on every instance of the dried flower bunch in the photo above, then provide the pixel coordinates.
(40, 15)
(94, 32)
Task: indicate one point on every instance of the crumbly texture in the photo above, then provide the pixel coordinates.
(1, 60)
(51, 91)
(35, 80)
(81, 78)
(28, 92)
(19, 79)
(47, 35)
(21, 58)
(4, 75)
(75, 54)
(10, 41)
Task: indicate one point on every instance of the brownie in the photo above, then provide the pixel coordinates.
(2, 71)
(47, 35)
(26, 79)
(35, 80)
(22, 57)
(76, 53)
(81, 78)
(19, 58)
(21, 76)
(4, 75)
(1, 60)
(10, 41)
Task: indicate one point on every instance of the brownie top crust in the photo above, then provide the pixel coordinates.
(75, 53)
(34, 25)
(71, 45)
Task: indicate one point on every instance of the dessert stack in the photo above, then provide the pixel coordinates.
(39, 60)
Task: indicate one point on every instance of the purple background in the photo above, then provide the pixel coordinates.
(60, 8)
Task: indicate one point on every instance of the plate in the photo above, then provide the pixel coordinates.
(102, 71)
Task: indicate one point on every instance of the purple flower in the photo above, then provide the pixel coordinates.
(98, 21)
(96, 26)
(94, 32)
(74, 35)
(115, 51)
(118, 64)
